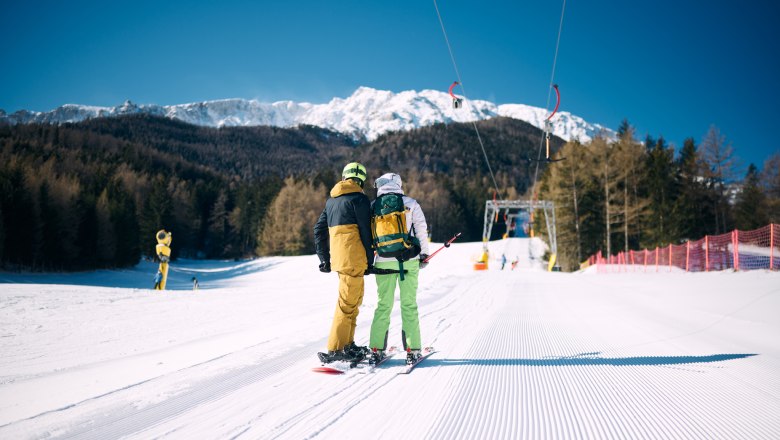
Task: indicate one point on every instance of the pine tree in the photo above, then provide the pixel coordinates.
(629, 158)
(84, 228)
(156, 215)
(20, 220)
(184, 216)
(609, 176)
(218, 227)
(51, 231)
(125, 221)
(770, 182)
(719, 166)
(570, 186)
(693, 217)
(41, 226)
(662, 193)
(106, 234)
(750, 209)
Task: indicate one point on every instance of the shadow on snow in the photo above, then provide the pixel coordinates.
(579, 360)
(210, 274)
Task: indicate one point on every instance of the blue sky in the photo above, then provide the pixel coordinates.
(672, 68)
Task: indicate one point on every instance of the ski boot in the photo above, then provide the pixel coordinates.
(351, 353)
(356, 352)
(376, 356)
(332, 356)
(412, 356)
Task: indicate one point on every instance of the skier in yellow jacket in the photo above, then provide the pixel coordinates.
(342, 238)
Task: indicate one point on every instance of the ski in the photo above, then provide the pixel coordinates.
(363, 366)
(338, 367)
(427, 351)
(369, 368)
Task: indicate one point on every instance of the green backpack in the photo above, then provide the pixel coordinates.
(388, 228)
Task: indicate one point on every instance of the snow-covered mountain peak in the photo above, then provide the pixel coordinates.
(366, 114)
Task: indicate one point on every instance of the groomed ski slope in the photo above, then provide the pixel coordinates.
(522, 354)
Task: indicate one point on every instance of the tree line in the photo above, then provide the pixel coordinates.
(93, 194)
(625, 194)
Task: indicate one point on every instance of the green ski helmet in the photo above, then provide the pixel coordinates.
(354, 170)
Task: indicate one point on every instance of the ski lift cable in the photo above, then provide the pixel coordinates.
(465, 96)
(549, 91)
(425, 161)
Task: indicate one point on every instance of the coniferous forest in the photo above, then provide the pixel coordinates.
(626, 194)
(92, 194)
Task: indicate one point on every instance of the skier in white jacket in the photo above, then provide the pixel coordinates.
(390, 183)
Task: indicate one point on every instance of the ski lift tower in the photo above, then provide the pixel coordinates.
(494, 207)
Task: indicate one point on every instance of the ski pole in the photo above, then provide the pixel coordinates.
(446, 245)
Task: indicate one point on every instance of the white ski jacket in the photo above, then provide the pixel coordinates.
(415, 219)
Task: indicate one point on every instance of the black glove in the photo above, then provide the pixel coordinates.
(423, 263)
(369, 270)
(325, 267)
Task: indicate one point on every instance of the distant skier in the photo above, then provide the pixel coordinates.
(503, 261)
(417, 227)
(195, 285)
(342, 238)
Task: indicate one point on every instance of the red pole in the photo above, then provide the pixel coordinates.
(687, 254)
(656, 258)
(670, 257)
(735, 243)
(446, 245)
(706, 253)
(771, 246)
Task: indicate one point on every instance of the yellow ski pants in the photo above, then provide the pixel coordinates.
(342, 332)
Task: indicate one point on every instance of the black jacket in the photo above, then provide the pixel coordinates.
(342, 234)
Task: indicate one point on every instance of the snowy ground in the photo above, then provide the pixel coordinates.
(521, 354)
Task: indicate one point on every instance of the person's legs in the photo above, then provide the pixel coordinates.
(409, 314)
(358, 284)
(385, 285)
(342, 331)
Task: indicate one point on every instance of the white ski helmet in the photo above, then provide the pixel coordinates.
(388, 178)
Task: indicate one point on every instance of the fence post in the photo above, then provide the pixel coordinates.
(687, 254)
(670, 257)
(656, 258)
(706, 253)
(771, 246)
(735, 244)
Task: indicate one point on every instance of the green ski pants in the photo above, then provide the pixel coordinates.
(410, 322)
